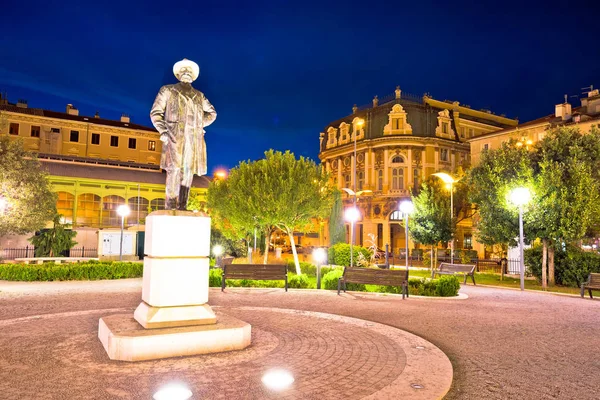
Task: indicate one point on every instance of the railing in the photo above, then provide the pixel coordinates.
(29, 251)
(483, 265)
(391, 97)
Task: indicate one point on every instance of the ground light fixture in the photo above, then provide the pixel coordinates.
(520, 197)
(406, 208)
(173, 391)
(217, 252)
(352, 215)
(277, 379)
(123, 210)
(320, 256)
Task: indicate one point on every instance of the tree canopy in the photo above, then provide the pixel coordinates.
(28, 202)
(277, 191)
(430, 223)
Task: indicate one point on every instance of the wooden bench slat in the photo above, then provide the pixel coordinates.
(370, 276)
(592, 283)
(262, 272)
(451, 269)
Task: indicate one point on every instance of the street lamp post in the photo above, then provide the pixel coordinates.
(520, 197)
(406, 208)
(123, 211)
(319, 256)
(352, 214)
(448, 180)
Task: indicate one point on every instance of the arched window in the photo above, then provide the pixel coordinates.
(64, 206)
(143, 209)
(397, 178)
(109, 210)
(396, 216)
(157, 204)
(88, 210)
(397, 160)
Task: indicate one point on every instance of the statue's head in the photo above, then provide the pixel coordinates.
(186, 71)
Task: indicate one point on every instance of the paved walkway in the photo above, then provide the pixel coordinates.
(503, 344)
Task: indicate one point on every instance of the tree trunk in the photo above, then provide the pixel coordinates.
(432, 259)
(266, 255)
(292, 242)
(551, 265)
(544, 263)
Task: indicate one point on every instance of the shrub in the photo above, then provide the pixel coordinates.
(65, 272)
(571, 266)
(298, 282)
(214, 277)
(305, 267)
(339, 254)
(447, 286)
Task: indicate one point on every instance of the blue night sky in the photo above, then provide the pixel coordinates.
(277, 72)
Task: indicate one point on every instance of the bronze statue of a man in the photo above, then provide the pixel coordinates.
(180, 113)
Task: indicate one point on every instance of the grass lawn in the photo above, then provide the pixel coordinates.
(509, 282)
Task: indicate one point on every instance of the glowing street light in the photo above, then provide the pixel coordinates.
(521, 196)
(352, 215)
(220, 174)
(449, 181)
(218, 252)
(319, 256)
(123, 211)
(406, 208)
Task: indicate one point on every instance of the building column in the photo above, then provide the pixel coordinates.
(386, 233)
(367, 184)
(386, 184)
(339, 161)
(409, 170)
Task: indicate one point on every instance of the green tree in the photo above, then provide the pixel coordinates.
(567, 183)
(52, 242)
(337, 229)
(278, 191)
(430, 222)
(490, 183)
(28, 202)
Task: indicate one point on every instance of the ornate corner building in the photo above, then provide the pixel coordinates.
(404, 139)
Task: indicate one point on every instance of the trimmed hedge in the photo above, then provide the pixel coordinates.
(571, 267)
(92, 270)
(339, 254)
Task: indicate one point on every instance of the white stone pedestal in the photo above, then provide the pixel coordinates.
(173, 318)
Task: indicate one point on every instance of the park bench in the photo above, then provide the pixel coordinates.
(56, 260)
(452, 269)
(593, 282)
(262, 272)
(226, 261)
(372, 276)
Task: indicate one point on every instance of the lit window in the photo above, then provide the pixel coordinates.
(13, 129)
(95, 138)
(467, 241)
(397, 178)
(114, 141)
(132, 143)
(151, 145)
(74, 136)
(35, 131)
(444, 154)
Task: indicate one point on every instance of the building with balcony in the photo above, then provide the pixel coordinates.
(404, 139)
(94, 165)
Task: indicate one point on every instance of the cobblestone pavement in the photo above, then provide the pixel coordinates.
(503, 344)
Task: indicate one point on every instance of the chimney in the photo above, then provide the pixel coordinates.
(125, 118)
(72, 110)
(563, 110)
(375, 101)
(398, 92)
(97, 115)
(21, 103)
(354, 109)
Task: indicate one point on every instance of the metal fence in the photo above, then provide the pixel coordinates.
(29, 252)
(483, 265)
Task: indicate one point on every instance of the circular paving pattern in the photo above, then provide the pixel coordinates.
(58, 356)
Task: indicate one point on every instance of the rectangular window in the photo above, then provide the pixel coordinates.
(114, 141)
(347, 181)
(396, 123)
(380, 180)
(35, 131)
(444, 154)
(467, 241)
(416, 175)
(361, 179)
(74, 136)
(95, 138)
(471, 133)
(444, 127)
(462, 132)
(55, 130)
(486, 147)
(151, 145)
(13, 129)
(132, 143)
